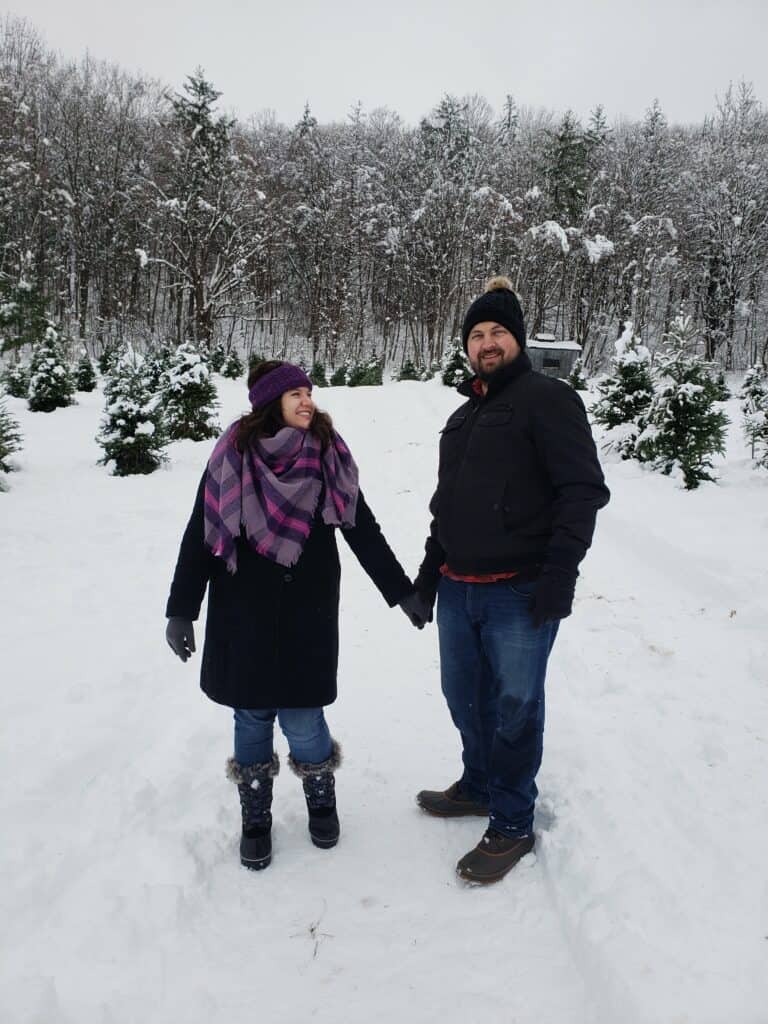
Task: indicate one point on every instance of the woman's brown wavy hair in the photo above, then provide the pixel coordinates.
(267, 420)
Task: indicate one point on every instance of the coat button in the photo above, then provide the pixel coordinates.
(496, 507)
(288, 577)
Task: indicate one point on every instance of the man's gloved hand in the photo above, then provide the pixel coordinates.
(180, 634)
(417, 608)
(553, 597)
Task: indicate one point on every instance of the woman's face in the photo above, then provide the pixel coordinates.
(297, 408)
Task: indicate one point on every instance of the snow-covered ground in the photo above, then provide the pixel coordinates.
(122, 899)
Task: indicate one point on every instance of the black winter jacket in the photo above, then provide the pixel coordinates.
(519, 482)
(272, 634)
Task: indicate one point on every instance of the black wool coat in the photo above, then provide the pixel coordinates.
(271, 633)
(519, 482)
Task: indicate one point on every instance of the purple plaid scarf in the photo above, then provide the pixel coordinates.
(272, 490)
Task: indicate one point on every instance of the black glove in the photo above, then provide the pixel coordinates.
(417, 608)
(180, 634)
(553, 597)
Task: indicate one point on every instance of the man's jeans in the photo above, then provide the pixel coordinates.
(493, 662)
(305, 729)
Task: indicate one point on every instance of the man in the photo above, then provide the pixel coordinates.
(519, 486)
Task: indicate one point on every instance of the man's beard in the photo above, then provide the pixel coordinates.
(486, 375)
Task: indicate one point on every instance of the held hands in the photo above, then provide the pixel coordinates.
(180, 634)
(553, 597)
(417, 608)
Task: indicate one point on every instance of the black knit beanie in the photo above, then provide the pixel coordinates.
(499, 304)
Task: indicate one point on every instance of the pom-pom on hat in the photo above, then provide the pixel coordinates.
(499, 304)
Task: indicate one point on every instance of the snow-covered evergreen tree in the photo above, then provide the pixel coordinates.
(51, 384)
(754, 407)
(190, 397)
(317, 375)
(340, 375)
(455, 366)
(16, 380)
(233, 367)
(576, 377)
(626, 393)
(681, 429)
(216, 357)
(157, 365)
(408, 371)
(10, 439)
(366, 374)
(85, 375)
(132, 433)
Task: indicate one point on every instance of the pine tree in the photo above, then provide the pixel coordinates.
(576, 378)
(190, 397)
(317, 375)
(369, 373)
(51, 385)
(340, 375)
(10, 439)
(216, 357)
(16, 380)
(233, 367)
(157, 366)
(681, 429)
(132, 433)
(85, 375)
(626, 394)
(408, 371)
(455, 366)
(754, 407)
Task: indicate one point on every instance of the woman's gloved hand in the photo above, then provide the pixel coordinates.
(180, 634)
(417, 608)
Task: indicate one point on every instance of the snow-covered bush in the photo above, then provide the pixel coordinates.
(455, 366)
(216, 357)
(754, 408)
(366, 374)
(408, 371)
(157, 365)
(317, 375)
(16, 380)
(681, 430)
(233, 366)
(85, 375)
(626, 393)
(190, 397)
(10, 439)
(576, 377)
(132, 433)
(340, 375)
(51, 384)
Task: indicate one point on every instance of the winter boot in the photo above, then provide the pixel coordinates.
(493, 857)
(254, 785)
(453, 802)
(320, 793)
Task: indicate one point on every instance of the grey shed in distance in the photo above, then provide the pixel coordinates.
(554, 358)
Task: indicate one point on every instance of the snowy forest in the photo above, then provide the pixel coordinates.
(134, 211)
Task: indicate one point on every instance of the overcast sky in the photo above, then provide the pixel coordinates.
(404, 54)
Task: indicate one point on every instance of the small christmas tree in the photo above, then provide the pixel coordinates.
(216, 357)
(340, 375)
(157, 365)
(110, 356)
(317, 375)
(132, 434)
(190, 397)
(51, 385)
(16, 380)
(369, 373)
(254, 360)
(681, 429)
(233, 367)
(754, 407)
(626, 394)
(10, 439)
(716, 382)
(455, 368)
(576, 378)
(85, 375)
(408, 371)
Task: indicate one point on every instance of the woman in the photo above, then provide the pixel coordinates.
(262, 537)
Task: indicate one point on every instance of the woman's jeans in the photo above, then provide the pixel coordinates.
(493, 661)
(305, 729)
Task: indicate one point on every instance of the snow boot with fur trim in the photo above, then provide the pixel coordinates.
(320, 794)
(254, 786)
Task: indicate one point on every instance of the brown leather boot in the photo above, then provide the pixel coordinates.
(493, 857)
(453, 802)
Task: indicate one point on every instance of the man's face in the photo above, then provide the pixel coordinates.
(490, 346)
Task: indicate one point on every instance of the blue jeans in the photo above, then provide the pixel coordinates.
(493, 662)
(305, 729)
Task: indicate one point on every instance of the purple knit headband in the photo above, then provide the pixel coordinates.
(276, 382)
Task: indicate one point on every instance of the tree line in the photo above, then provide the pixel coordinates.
(133, 213)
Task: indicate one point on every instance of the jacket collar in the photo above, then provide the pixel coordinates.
(498, 380)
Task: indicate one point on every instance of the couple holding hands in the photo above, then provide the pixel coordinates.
(519, 485)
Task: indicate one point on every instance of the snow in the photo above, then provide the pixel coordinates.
(123, 900)
(552, 231)
(598, 248)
